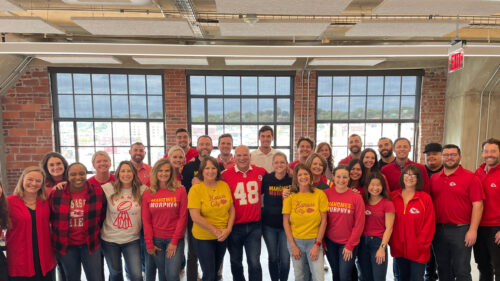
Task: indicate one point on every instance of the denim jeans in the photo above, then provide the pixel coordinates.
(410, 270)
(75, 257)
(341, 270)
(131, 254)
(370, 269)
(487, 253)
(246, 235)
(210, 254)
(452, 257)
(278, 255)
(192, 258)
(304, 265)
(168, 268)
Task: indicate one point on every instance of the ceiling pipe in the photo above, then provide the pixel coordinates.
(188, 11)
(481, 115)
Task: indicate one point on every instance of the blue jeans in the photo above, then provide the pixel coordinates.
(168, 268)
(75, 257)
(210, 255)
(410, 270)
(452, 257)
(131, 254)
(304, 266)
(246, 235)
(342, 270)
(370, 269)
(278, 255)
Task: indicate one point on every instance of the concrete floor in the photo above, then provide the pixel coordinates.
(227, 276)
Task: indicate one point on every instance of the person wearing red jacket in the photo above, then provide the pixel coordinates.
(29, 248)
(164, 216)
(392, 171)
(414, 225)
(459, 195)
(487, 249)
(345, 222)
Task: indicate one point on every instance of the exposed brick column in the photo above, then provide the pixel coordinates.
(27, 122)
(175, 103)
(304, 120)
(432, 107)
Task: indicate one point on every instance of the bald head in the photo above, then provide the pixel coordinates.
(242, 157)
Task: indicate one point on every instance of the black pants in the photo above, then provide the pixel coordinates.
(452, 257)
(487, 253)
(192, 258)
(3, 267)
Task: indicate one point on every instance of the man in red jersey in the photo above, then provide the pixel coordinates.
(183, 140)
(392, 171)
(245, 182)
(487, 249)
(458, 197)
(354, 146)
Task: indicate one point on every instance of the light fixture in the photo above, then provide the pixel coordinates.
(251, 19)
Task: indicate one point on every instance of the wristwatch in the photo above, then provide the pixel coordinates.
(383, 246)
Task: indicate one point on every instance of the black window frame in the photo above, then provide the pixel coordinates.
(240, 73)
(53, 71)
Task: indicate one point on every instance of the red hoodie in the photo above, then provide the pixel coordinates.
(413, 227)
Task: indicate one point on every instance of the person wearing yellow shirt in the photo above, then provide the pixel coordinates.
(211, 207)
(304, 220)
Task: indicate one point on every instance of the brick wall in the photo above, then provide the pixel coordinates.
(175, 103)
(27, 122)
(304, 107)
(432, 107)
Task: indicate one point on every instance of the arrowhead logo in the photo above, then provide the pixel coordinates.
(367, 212)
(453, 183)
(414, 211)
(493, 185)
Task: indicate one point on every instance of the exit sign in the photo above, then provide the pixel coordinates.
(456, 56)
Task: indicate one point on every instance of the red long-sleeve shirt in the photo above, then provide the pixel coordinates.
(19, 241)
(164, 215)
(392, 173)
(414, 227)
(345, 217)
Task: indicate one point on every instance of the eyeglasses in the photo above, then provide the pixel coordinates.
(450, 155)
(410, 176)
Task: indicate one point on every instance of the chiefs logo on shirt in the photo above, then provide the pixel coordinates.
(367, 212)
(493, 184)
(453, 183)
(414, 211)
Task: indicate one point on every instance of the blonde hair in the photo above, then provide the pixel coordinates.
(172, 183)
(19, 190)
(174, 149)
(136, 183)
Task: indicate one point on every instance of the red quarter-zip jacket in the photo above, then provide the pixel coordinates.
(413, 227)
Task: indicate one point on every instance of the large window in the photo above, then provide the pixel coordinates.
(108, 110)
(240, 103)
(370, 104)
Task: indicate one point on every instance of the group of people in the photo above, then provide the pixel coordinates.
(304, 210)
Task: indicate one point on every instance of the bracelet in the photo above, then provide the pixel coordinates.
(383, 246)
(317, 243)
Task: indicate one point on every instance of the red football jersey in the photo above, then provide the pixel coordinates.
(246, 191)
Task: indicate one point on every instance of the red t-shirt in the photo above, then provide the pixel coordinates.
(453, 195)
(375, 217)
(392, 172)
(192, 153)
(77, 233)
(293, 164)
(246, 191)
(346, 160)
(491, 188)
(94, 182)
(346, 217)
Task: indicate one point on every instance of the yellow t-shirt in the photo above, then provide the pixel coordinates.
(214, 204)
(305, 212)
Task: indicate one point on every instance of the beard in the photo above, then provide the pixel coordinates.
(451, 167)
(386, 153)
(138, 159)
(355, 149)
